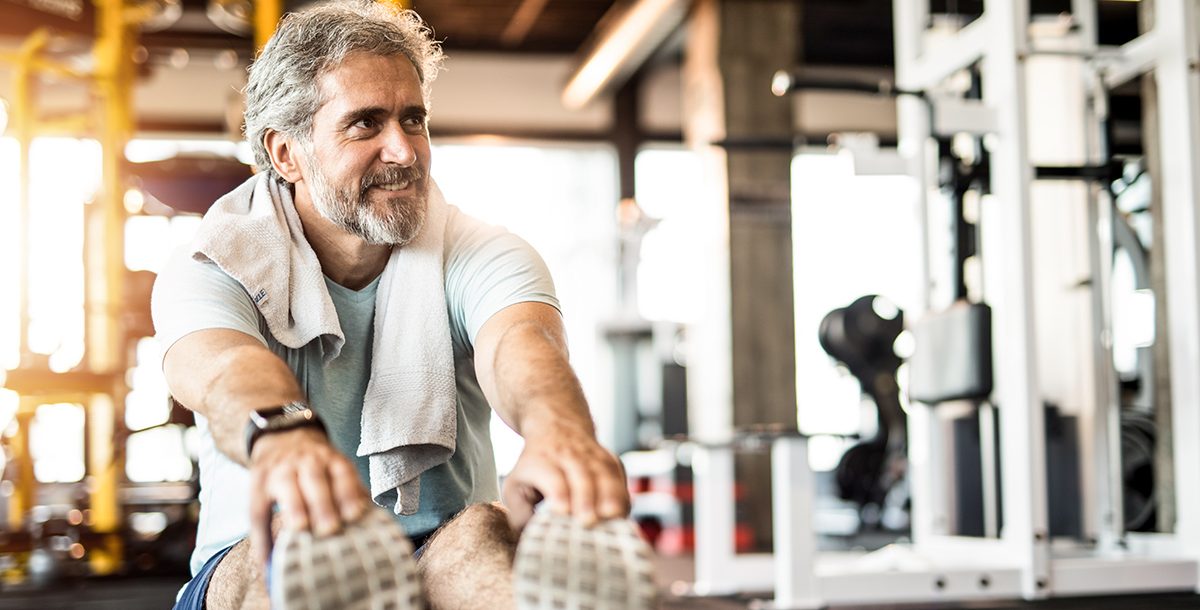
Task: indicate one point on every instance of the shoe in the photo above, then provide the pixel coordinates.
(562, 565)
(368, 566)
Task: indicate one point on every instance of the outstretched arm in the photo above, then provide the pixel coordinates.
(225, 374)
(522, 366)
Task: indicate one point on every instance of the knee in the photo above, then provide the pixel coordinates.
(477, 527)
(483, 515)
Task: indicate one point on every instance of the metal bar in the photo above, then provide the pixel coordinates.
(104, 284)
(1136, 57)
(622, 46)
(915, 145)
(1084, 14)
(41, 64)
(23, 117)
(1022, 436)
(1178, 78)
(719, 569)
(1105, 442)
(521, 22)
(266, 16)
(1106, 494)
(792, 491)
(941, 60)
(988, 471)
(25, 491)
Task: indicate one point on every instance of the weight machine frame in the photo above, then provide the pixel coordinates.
(1023, 562)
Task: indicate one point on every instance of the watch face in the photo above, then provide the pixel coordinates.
(293, 407)
(281, 416)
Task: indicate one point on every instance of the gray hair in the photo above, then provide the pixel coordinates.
(283, 92)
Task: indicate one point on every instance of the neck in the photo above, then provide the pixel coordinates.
(345, 258)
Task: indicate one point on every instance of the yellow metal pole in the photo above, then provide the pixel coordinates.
(106, 347)
(266, 16)
(23, 118)
(25, 493)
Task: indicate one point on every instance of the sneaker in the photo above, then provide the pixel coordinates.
(368, 566)
(562, 565)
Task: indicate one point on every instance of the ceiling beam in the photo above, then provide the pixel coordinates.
(522, 21)
(620, 46)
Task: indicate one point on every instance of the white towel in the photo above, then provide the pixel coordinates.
(409, 418)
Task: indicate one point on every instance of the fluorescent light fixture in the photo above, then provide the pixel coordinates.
(621, 48)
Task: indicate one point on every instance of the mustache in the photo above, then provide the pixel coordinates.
(391, 175)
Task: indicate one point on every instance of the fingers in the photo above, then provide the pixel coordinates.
(586, 482)
(612, 493)
(285, 489)
(348, 489)
(260, 522)
(314, 484)
(519, 499)
(581, 490)
(531, 480)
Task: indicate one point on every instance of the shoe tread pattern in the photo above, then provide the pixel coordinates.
(368, 566)
(562, 565)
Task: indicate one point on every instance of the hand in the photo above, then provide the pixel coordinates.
(312, 483)
(564, 465)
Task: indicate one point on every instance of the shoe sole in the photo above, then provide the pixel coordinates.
(368, 566)
(562, 565)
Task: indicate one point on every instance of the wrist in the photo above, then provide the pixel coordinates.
(268, 421)
(268, 442)
(550, 424)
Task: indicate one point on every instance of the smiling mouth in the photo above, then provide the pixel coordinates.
(395, 186)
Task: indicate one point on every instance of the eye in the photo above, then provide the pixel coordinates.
(364, 123)
(416, 121)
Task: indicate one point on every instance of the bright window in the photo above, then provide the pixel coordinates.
(562, 200)
(852, 236)
(670, 283)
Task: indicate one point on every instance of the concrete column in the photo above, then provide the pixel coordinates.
(745, 132)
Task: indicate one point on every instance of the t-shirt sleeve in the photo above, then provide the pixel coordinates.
(190, 295)
(488, 269)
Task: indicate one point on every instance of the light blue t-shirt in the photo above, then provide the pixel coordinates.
(486, 270)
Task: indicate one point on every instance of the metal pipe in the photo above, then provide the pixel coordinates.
(106, 348)
(41, 64)
(266, 16)
(25, 493)
(622, 46)
(23, 120)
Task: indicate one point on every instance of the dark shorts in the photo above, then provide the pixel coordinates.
(194, 592)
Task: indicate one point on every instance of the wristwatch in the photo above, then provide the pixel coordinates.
(289, 416)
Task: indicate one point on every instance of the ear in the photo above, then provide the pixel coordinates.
(283, 151)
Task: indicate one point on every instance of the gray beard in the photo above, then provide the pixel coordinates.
(353, 212)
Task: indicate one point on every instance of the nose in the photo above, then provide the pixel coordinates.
(397, 148)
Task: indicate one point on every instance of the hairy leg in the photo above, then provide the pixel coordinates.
(467, 564)
(237, 582)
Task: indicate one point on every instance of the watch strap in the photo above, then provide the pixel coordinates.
(289, 416)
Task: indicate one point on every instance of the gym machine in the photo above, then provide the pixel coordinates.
(1018, 557)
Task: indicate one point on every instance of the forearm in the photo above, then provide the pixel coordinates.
(522, 365)
(535, 388)
(224, 380)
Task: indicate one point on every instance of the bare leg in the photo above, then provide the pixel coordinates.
(237, 582)
(468, 562)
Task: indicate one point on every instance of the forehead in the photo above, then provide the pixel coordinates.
(370, 80)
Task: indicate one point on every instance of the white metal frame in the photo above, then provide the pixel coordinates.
(1023, 562)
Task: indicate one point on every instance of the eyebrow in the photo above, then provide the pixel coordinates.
(375, 112)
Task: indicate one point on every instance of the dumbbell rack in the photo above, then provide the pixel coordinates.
(1023, 561)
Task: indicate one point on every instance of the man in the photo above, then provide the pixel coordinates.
(341, 331)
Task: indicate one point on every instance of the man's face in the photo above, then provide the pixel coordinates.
(366, 166)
